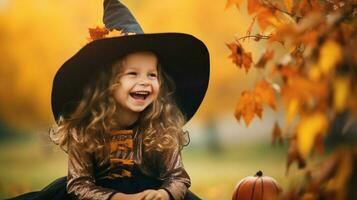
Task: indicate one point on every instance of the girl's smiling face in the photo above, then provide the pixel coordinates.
(138, 84)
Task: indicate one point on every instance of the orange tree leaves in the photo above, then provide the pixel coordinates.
(310, 128)
(268, 55)
(239, 57)
(266, 91)
(250, 103)
(277, 136)
(233, 2)
(317, 72)
(102, 32)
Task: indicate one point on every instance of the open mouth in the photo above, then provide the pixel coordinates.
(140, 95)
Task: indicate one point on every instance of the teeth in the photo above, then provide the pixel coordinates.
(141, 92)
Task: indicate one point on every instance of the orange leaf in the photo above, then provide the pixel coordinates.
(289, 5)
(254, 6)
(309, 6)
(309, 38)
(97, 33)
(249, 104)
(267, 17)
(239, 57)
(233, 2)
(294, 155)
(268, 55)
(305, 91)
(266, 91)
(276, 134)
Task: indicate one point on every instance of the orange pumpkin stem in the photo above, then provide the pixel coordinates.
(259, 173)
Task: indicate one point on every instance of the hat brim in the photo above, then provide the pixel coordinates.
(183, 57)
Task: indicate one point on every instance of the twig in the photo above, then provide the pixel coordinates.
(256, 37)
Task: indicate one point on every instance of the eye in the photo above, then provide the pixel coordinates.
(153, 75)
(132, 73)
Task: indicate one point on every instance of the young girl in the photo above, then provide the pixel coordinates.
(120, 104)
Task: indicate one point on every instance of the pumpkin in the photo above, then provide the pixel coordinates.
(257, 187)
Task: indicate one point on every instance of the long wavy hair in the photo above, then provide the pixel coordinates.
(160, 124)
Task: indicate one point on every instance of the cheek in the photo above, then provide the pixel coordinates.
(156, 88)
(118, 93)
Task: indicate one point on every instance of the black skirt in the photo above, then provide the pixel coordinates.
(57, 189)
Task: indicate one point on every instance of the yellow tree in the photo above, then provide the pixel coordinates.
(315, 77)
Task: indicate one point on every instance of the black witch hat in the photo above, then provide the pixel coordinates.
(182, 56)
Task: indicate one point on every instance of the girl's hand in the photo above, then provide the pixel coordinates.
(122, 196)
(159, 194)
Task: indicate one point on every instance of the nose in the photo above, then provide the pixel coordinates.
(144, 81)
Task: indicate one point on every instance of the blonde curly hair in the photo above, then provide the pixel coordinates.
(160, 124)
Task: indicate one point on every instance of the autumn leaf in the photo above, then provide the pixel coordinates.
(289, 4)
(268, 55)
(233, 2)
(277, 135)
(330, 55)
(116, 33)
(239, 57)
(266, 17)
(294, 155)
(308, 129)
(308, 6)
(266, 91)
(309, 38)
(254, 6)
(291, 111)
(333, 174)
(305, 91)
(249, 104)
(341, 88)
(97, 33)
(285, 35)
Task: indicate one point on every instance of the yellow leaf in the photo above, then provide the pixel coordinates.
(289, 4)
(341, 86)
(309, 127)
(315, 73)
(233, 2)
(342, 174)
(330, 55)
(249, 104)
(293, 108)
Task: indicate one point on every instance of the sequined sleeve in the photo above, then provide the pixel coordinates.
(172, 172)
(80, 179)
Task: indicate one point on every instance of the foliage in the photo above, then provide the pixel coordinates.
(315, 79)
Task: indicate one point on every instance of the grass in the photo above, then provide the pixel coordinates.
(28, 165)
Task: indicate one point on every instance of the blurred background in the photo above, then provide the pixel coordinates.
(37, 36)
